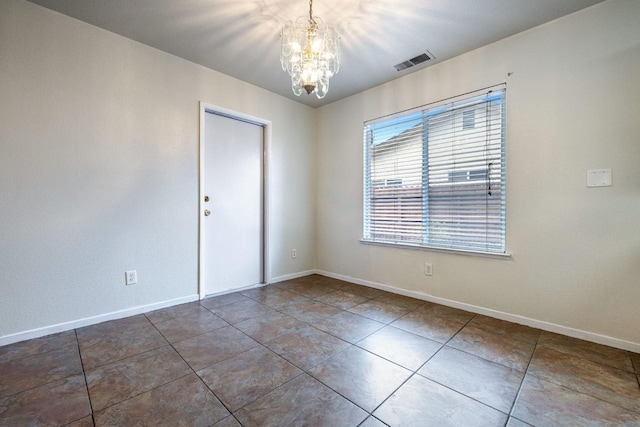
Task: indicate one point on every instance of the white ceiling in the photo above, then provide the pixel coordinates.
(240, 38)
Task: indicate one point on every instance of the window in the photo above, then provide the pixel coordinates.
(435, 177)
(468, 119)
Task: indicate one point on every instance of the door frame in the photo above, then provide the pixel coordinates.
(266, 150)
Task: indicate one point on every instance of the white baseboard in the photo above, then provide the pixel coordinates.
(66, 326)
(230, 291)
(545, 326)
(293, 276)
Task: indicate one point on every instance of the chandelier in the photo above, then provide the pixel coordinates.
(310, 54)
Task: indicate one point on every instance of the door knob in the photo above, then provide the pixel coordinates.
(207, 212)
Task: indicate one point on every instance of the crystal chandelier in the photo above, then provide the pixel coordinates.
(310, 54)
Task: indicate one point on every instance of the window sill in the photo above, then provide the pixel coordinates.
(504, 256)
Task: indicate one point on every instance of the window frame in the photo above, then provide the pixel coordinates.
(453, 105)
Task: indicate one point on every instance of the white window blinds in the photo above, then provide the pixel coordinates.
(435, 177)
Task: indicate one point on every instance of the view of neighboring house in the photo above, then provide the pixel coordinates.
(458, 183)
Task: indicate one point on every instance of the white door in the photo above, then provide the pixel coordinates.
(233, 242)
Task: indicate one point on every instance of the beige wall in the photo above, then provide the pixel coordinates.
(573, 104)
(99, 172)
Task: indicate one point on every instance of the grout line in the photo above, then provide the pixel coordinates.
(146, 391)
(375, 418)
(349, 345)
(458, 391)
(44, 338)
(369, 414)
(84, 374)
(193, 372)
(443, 345)
(47, 381)
(524, 377)
(574, 389)
(310, 323)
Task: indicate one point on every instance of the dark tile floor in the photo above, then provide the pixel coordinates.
(320, 352)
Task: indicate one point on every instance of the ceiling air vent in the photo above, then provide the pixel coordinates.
(403, 65)
(413, 61)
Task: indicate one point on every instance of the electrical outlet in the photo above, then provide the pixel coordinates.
(294, 254)
(131, 277)
(428, 269)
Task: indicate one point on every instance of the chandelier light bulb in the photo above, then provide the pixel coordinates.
(310, 53)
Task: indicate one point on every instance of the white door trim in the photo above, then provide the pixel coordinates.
(266, 125)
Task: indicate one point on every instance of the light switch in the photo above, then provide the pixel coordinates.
(599, 178)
